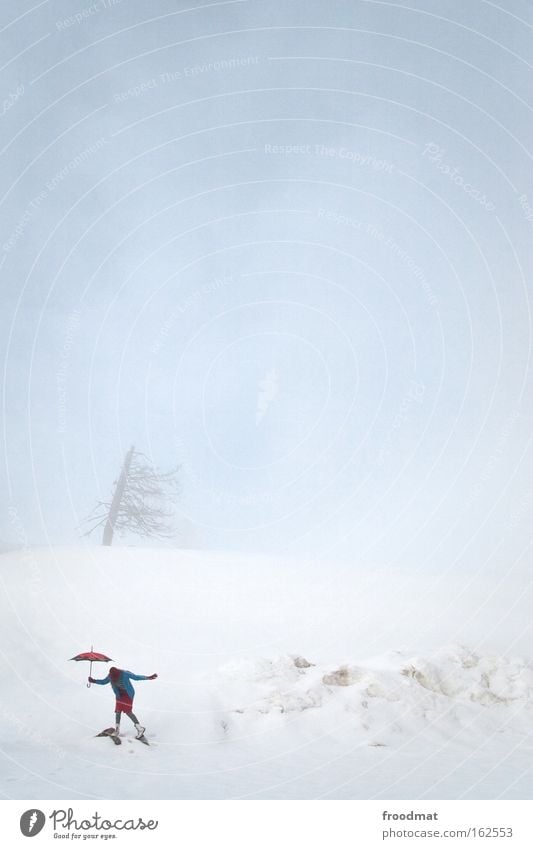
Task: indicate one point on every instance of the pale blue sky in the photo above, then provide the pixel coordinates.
(233, 235)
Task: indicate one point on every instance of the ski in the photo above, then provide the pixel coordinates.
(110, 732)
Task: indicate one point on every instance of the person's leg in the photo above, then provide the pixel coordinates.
(139, 728)
(117, 721)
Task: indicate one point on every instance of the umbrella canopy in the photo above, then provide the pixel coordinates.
(92, 657)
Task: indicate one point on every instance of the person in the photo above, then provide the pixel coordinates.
(120, 680)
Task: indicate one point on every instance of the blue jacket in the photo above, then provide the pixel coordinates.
(123, 682)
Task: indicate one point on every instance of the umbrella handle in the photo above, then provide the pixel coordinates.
(90, 672)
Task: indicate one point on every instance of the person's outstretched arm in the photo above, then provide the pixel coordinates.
(141, 677)
(99, 680)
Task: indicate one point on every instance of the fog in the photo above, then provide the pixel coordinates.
(286, 245)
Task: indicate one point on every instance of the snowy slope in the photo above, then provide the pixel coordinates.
(419, 686)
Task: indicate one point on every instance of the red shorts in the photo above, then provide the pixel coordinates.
(124, 703)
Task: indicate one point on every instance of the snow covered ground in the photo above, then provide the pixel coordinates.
(277, 679)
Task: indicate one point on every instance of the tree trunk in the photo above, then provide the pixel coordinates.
(117, 498)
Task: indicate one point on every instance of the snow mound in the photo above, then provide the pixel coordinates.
(411, 686)
(463, 675)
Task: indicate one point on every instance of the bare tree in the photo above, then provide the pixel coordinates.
(141, 501)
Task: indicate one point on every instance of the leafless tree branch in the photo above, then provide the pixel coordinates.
(143, 505)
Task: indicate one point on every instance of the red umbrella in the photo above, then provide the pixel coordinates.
(92, 656)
